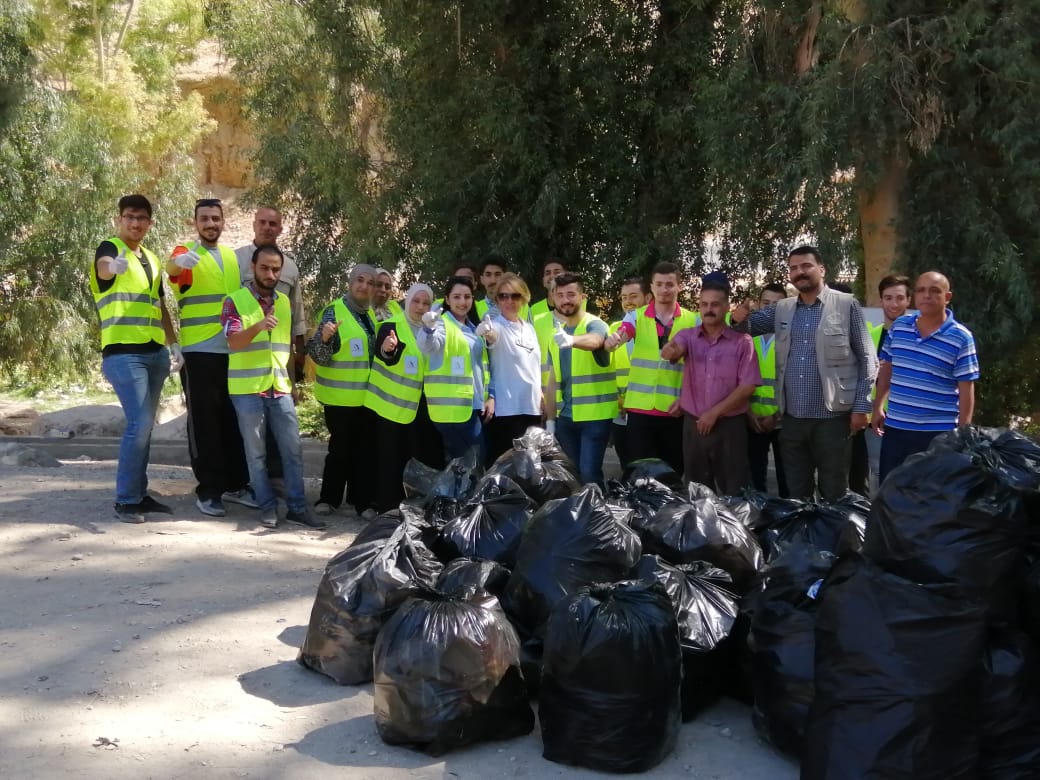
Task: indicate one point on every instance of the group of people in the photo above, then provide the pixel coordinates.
(444, 374)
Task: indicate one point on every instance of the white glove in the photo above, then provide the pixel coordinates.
(186, 260)
(429, 319)
(176, 358)
(563, 339)
(550, 426)
(117, 264)
(485, 327)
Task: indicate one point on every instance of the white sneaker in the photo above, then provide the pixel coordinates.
(323, 509)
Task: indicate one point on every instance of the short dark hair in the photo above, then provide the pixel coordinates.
(267, 250)
(664, 268)
(208, 203)
(493, 260)
(806, 249)
(135, 202)
(894, 280)
(775, 287)
(455, 280)
(644, 287)
(463, 264)
(556, 260)
(717, 285)
(562, 280)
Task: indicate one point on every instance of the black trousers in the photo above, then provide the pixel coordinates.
(350, 464)
(859, 465)
(500, 432)
(619, 438)
(717, 459)
(758, 460)
(653, 436)
(218, 459)
(396, 444)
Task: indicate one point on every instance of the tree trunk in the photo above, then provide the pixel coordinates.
(878, 223)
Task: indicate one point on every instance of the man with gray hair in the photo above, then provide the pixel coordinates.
(342, 350)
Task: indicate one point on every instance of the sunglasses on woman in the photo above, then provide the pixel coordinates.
(504, 296)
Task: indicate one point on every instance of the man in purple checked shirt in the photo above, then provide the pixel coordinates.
(720, 373)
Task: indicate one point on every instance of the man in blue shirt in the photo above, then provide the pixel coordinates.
(927, 375)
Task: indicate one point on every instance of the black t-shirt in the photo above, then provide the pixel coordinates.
(108, 249)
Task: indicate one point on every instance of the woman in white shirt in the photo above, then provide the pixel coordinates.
(516, 373)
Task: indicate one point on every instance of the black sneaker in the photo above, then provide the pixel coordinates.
(129, 513)
(149, 504)
(303, 517)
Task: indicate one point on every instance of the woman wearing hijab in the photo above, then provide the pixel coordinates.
(457, 372)
(516, 371)
(395, 394)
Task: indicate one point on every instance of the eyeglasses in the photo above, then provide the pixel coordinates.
(204, 202)
(509, 296)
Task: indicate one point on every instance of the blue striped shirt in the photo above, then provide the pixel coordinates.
(925, 373)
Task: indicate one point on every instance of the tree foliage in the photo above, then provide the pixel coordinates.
(104, 117)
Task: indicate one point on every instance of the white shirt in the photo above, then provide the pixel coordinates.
(516, 370)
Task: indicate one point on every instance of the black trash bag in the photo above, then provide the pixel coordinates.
(836, 528)
(455, 482)
(706, 608)
(611, 674)
(1029, 598)
(781, 614)
(652, 468)
(569, 543)
(447, 674)
(898, 673)
(472, 575)
(1010, 712)
(703, 529)
(492, 523)
(954, 514)
(538, 466)
(645, 498)
(531, 650)
(359, 591)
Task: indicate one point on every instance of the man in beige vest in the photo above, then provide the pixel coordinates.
(825, 368)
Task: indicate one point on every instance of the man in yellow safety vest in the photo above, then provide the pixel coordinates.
(764, 415)
(204, 272)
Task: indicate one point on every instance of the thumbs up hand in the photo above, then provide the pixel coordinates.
(485, 327)
(563, 339)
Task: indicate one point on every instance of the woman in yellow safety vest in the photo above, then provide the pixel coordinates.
(457, 373)
(395, 394)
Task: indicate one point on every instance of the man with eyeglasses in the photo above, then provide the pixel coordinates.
(204, 273)
(126, 282)
(383, 305)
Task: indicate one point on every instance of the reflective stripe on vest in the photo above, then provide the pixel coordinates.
(211, 283)
(344, 381)
(393, 393)
(130, 310)
(622, 362)
(264, 363)
(653, 384)
(763, 400)
(449, 396)
(877, 332)
(593, 387)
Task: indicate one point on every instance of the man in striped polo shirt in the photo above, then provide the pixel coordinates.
(927, 375)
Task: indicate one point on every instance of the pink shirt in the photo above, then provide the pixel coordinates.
(715, 368)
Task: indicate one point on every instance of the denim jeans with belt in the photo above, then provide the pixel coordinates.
(137, 380)
(256, 414)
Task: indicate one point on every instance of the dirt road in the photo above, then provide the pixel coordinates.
(167, 650)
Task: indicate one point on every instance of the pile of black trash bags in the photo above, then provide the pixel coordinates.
(898, 647)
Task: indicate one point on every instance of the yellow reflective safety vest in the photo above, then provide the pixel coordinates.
(344, 382)
(264, 364)
(394, 391)
(593, 387)
(763, 400)
(213, 279)
(544, 325)
(653, 383)
(130, 310)
(877, 332)
(449, 387)
(620, 359)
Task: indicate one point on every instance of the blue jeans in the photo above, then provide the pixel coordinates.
(138, 381)
(585, 443)
(897, 445)
(256, 414)
(460, 438)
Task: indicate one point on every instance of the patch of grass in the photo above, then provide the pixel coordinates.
(309, 413)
